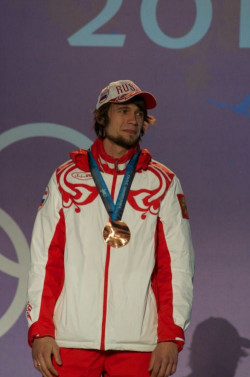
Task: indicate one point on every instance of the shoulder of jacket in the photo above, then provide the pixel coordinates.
(164, 169)
(58, 173)
(63, 167)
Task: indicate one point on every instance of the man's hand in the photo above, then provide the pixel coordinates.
(164, 359)
(42, 350)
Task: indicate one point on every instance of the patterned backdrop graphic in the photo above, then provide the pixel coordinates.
(56, 56)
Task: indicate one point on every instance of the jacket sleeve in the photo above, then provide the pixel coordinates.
(46, 274)
(174, 266)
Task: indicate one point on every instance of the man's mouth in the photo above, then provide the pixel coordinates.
(130, 131)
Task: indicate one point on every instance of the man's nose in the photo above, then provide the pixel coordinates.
(133, 118)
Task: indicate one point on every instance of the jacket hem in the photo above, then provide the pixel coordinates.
(110, 346)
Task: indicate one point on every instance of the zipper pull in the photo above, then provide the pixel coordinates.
(116, 165)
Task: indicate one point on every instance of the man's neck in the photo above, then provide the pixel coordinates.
(112, 149)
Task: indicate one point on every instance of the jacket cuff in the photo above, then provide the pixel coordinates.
(178, 342)
(39, 331)
(172, 334)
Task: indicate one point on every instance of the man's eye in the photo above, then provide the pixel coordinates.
(139, 114)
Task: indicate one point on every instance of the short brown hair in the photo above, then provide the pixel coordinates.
(101, 117)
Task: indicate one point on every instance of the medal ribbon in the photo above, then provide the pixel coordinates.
(115, 211)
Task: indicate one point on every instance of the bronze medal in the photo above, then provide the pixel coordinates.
(116, 233)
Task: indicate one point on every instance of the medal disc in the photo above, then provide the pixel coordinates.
(116, 233)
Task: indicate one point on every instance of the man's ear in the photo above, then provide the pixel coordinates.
(145, 126)
(100, 120)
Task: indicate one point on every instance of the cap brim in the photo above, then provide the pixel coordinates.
(149, 99)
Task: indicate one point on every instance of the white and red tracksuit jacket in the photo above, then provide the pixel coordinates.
(89, 295)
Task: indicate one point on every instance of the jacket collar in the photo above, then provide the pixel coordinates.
(107, 163)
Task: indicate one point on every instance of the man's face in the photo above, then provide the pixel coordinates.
(125, 123)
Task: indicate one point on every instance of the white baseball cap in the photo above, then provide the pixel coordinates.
(122, 91)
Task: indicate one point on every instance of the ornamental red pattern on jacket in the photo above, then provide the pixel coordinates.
(82, 193)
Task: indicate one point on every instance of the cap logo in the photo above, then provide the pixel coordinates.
(125, 88)
(119, 98)
(122, 97)
(104, 95)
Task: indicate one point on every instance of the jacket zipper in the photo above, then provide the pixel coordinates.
(106, 271)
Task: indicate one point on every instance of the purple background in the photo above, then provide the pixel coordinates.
(202, 134)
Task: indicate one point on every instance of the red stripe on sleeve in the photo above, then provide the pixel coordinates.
(162, 287)
(53, 283)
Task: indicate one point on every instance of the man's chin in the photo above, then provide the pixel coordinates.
(122, 142)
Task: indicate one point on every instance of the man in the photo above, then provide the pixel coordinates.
(110, 285)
